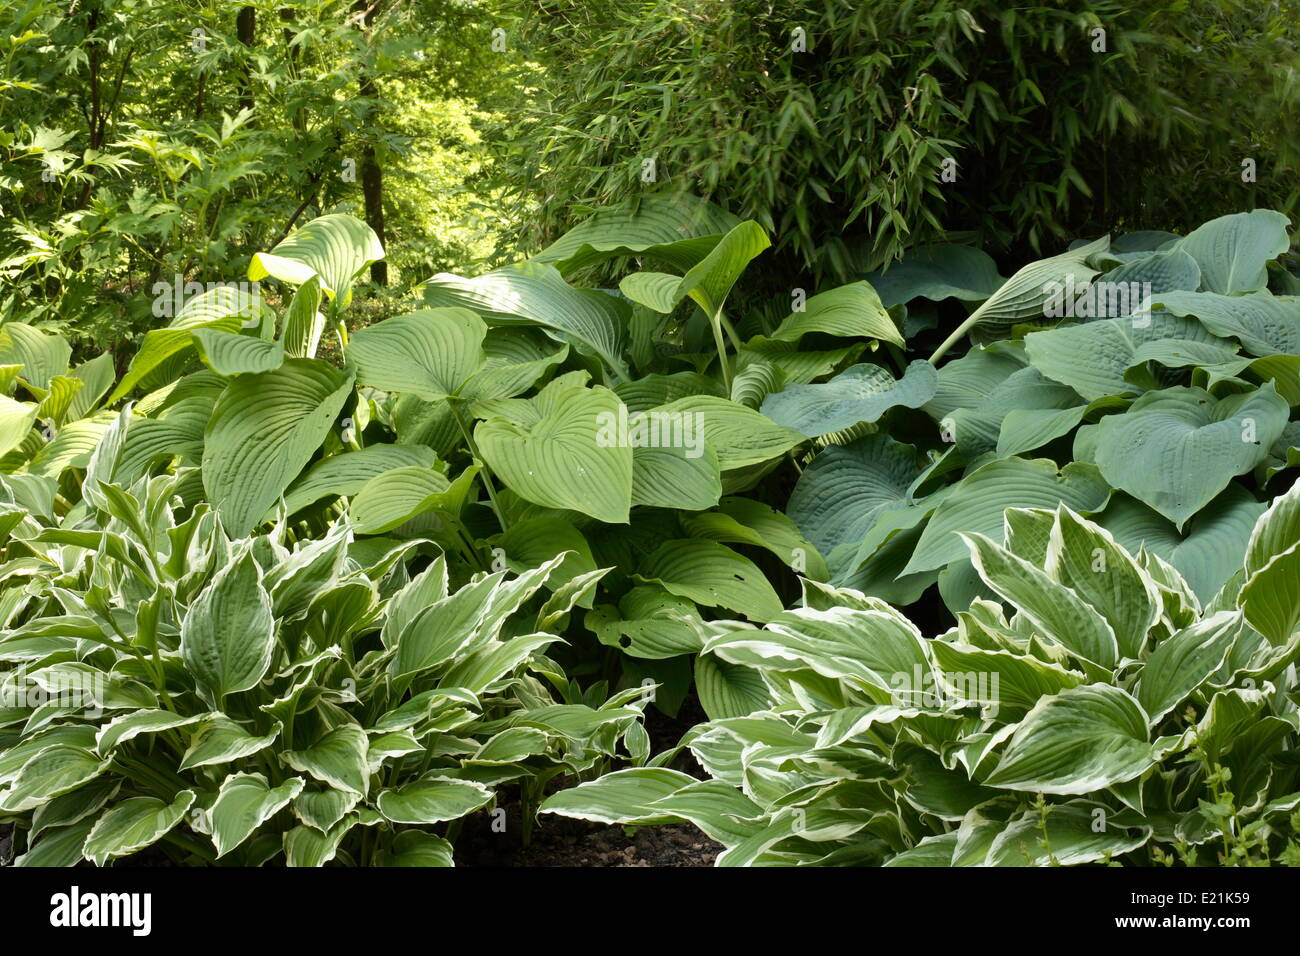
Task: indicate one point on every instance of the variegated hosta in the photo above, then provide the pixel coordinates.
(1097, 712)
(254, 700)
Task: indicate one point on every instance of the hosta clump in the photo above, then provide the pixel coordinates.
(254, 700)
(1096, 712)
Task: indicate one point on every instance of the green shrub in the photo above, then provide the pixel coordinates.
(1108, 717)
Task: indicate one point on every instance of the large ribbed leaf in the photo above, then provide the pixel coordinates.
(561, 460)
(1081, 740)
(838, 496)
(849, 311)
(1185, 661)
(303, 322)
(649, 622)
(859, 394)
(729, 690)
(740, 436)
(346, 474)
(1265, 324)
(338, 759)
(1019, 413)
(333, 248)
(1206, 553)
(264, 430)
(16, 420)
(399, 494)
(228, 636)
(533, 293)
(713, 575)
(1176, 449)
(979, 500)
(673, 477)
(243, 804)
(432, 799)
(746, 521)
(429, 353)
(1232, 250)
(1167, 271)
(938, 272)
(678, 230)
(42, 355)
(229, 353)
(1271, 595)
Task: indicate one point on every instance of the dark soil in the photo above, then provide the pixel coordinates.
(557, 841)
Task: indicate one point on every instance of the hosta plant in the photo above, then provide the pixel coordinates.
(252, 699)
(1096, 712)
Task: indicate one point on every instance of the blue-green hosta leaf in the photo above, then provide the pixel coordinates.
(1209, 549)
(533, 293)
(678, 230)
(740, 436)
(1233, 251)
(729, 690)
(1167, 271)
(333, 248)
(983, 425)
(1083, 739)
(1086, 559)
(983, 495)
(338, 759)
(967, 381)
(561, 461)
(1112, 347)
(228, 636)
(429, 353)
(1176, 449)
(1184, 661)
(53, 770)
(42, 355)
(745, 521)
(713, 575)
(1025, 429)
(860, 394)
(229, 353)
(264, 430)
(220, 740)
(243, 804)
(1271, 594)
(432, 799)
(624, 796)
(851, 311)
(1073, 834)
(133, 825)
(838, 496)
(1056, 612)
(1263, 323)
(348, 473)
(938, 272)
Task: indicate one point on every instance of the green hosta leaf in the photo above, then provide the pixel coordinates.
(1263, 323)
(42, 355)
(624, 796)
(562, 461)
(53, 770)
(968, 381)
(348, 473)
(838, 496)
(429, 353)
(73, 445)
(983, 495)
(860, 394)
(432, 799)
(1076, 833)
(333, 248)
(755, 380)
(516, 359)
(16, 420)
(228, 636)
(228, 353)
(709, 281)
(303, 323)
(61, 847)
(338, 759)
(1025, 429)
(264, 430)
(1021, 680)
(1012, 415)
(396, 496)
(713, 575)
(220, 740)
(1232, 250)
(1113, 346)
(533, 293)
(1185, 661)
(323, 809)
(129, 726)
(1056, 612)
(243, 804)
(1176, 449)
(729, 690)
(416, 848)
(675, 477)
(938, 272)
(850, 311)
(133, 825)
(740, 436)
(1271, 595)
(177, 432)
(648, 623)
(1083, 739)
(305, 846)
(678, 230)
(745, 521)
